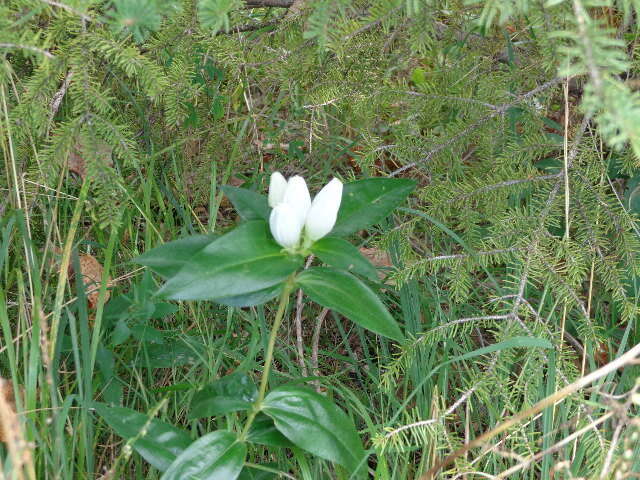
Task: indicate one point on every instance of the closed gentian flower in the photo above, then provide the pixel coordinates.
(297, 197)
(285, 226)
(293, 210)
(277, 187)
(323, 213)
(290, 201)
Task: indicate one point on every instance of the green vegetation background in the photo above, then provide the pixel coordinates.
(120, 120)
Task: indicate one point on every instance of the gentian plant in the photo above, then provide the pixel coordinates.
(296, 222)
(259, 260)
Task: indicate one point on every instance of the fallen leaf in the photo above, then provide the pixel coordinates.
(234, 182)
(8, 417)
(271, 146)
(202, 213)
(80, 153)
(379, 259)
(601, 354)
(20, 451)
(91, 272)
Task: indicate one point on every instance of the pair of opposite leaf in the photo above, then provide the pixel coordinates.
(295, 221)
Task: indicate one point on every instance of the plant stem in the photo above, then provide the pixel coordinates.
(264, 380)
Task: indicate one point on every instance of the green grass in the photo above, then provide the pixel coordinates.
(413, 404)
(73, 443)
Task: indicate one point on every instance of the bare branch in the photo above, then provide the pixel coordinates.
(554, 448)
(449, 411)
(453, 98)
(315, 346)
(298, 325)
(612, 447)
(463, 398)
(268, 3)
(460, 321)
(465, 255)
(59, 95)
(27, 47)
(68, 9)
(251, 27)
(546, 402)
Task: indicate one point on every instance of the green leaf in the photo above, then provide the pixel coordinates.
(632, 195)
(549, 165)
(341, 254)
(344, 293)
(162, 310)
(217, 107)
(513, 342)
(249, 473)
(215, 456)
(264, 432)
(242, 262)
(175, 352)
(214, 14)
(253, 298)
(228, 394)
(120, 334)
(167, 259)
(147, 334)
(161, 443)
(250, 205)
(366, 202)
(418, 76)
(316, 425)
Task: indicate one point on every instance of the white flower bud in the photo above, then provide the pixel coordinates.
(297, 197)
(277, 187)
(323, 213)
(285, 225)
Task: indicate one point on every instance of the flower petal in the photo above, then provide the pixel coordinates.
(277, 187)
(297, 197)
(285, 226)
(323, 212)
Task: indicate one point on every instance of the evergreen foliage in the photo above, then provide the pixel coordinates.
(523, 225)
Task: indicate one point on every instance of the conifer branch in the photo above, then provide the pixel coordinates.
(582, 18)
(570, 338)
(500, 110)
(506, 183)
(491, 106)
(365, 28)
(537, 236)
(423, 423)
